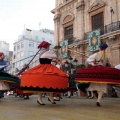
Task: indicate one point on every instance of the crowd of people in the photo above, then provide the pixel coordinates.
(47, 78)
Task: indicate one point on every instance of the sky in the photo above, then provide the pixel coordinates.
(17, 14)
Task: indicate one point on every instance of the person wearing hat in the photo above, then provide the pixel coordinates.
(45, 77)
(99, 58)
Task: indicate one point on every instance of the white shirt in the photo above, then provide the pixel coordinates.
(49, 54)
(91, 59)
(117, 66)
(58, 66)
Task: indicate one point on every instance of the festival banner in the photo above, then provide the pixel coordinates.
(94, 40)
(64, 51)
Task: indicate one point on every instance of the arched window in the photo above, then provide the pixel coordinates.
(68, 22)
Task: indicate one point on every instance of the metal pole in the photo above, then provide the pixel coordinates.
(33, 57)
(28, 63)
(111, 17)
(111, 10)
(70, 67)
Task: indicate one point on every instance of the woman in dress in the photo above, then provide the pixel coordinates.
(45, 77)
(6, 80)
(101, 58)
(98, 73)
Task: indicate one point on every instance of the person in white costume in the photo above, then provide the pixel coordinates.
(90, 61)
(117, 66)
(99, 58)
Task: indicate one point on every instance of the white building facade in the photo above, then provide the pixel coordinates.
(26, 47)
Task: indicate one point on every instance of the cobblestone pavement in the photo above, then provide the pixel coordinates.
(75, 108)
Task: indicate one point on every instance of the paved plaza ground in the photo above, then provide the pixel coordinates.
(75, 108)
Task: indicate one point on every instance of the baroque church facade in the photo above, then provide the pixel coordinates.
(82, 25)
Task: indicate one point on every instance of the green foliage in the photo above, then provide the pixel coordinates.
(108, 64)
(72, 76)
(78, 66)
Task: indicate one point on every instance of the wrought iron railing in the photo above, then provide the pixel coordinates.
(72, 40)
(106, 29)
(103, 30)
(112, 27)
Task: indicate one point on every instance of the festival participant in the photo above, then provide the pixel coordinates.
(90, 62)
(3, 63)
(56, 96)
(71, 85)
(100, 58)
(5, 78)
(44, 78)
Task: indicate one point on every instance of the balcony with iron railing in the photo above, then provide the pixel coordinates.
(114, 26)
(72, 40)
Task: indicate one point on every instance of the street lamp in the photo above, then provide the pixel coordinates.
(70, 59)
(69, 65)
(66, 63)
(75, 61)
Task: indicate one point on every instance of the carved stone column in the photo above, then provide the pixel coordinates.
(81, 25)
(80, 19)
(56, 28)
